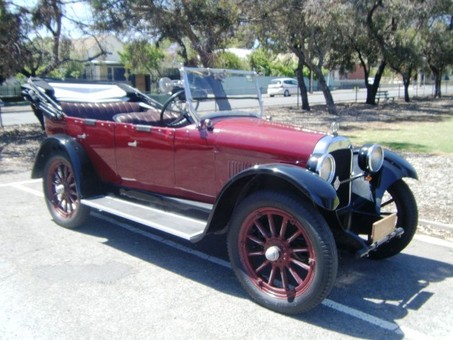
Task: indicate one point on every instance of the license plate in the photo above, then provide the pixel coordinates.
(383, 227)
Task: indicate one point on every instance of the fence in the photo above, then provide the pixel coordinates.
(11, 92)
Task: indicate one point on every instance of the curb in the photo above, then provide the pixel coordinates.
(437, 225)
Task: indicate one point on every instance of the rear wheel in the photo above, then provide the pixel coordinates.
(286, 94)
(61, 194)
(282, 252)
(398, 199)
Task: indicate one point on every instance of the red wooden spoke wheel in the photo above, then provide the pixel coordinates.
(276, 252)
(282, 251)
(62, 196)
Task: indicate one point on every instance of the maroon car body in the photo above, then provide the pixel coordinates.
(207, 162)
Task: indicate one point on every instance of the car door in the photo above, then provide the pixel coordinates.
(97, 139)
(195, 173)
(145, 156)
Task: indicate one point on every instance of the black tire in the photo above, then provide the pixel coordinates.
(61, 194)
(286, 94)
(398, 199)
(273, 234)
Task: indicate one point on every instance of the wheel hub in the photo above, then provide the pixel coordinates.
(59, 189)
(273, 253)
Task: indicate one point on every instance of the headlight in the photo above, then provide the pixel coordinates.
(323, 165)
(371, 157)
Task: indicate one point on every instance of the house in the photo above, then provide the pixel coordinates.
(107, 67)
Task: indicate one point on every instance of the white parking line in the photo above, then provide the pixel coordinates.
(27, 189)
(434, 240)
(21, 182)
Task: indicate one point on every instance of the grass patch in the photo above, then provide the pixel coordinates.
(422, 137)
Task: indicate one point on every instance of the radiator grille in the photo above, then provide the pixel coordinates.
(343, 160)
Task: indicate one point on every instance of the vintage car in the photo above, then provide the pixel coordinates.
(207, 162)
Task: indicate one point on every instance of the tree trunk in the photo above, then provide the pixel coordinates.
(406, 82)
(437, 81)
(371, 89)
(331, 108)
(302, 86)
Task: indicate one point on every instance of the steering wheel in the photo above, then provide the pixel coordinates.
(174, 109)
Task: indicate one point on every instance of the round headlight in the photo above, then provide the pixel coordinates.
(371, 157)
(323, 165)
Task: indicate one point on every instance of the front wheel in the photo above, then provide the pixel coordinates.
(282, 251)
(398, 199)
(61, 194)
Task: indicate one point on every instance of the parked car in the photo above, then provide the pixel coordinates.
(206, 162)
(282, 86)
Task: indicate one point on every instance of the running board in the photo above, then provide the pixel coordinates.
(175, 224)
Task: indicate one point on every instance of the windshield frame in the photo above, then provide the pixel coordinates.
(222, 103)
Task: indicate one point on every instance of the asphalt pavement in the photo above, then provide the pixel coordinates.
(112, 279)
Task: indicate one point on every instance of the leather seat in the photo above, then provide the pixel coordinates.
(149, 117)
(101, 111)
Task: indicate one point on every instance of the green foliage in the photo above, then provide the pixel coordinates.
(72, 69)
(268, 64)
(260, 61)
(9, 37)
(228, 60)
(206, 25)
(141, 57)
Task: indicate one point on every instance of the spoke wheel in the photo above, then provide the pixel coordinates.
(60, 190)
(277, 253)
(282, 252)
(398, 199)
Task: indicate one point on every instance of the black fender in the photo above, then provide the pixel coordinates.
(394, 168)
(284, 177)
(78, 157)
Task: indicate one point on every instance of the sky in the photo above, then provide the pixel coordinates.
(76, 10)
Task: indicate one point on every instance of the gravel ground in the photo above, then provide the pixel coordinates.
(433, 190)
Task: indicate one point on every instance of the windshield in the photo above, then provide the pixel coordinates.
(216, 92)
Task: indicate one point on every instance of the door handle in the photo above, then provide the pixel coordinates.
(82, 136)
(132, 144)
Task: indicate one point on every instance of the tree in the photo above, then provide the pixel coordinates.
(36, 38)
(228, 60)
(357, 45)
(142, 57)
(10, 37)
(400, 41)
(306, 28)
(206, 25)
(437, 40)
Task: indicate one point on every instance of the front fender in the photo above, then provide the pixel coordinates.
(394, 168)
(286, 177)
(77, 156)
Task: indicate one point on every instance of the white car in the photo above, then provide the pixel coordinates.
(282, 86)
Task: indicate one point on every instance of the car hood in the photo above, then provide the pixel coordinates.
(264, 141)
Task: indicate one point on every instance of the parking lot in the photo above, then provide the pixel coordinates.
(113, 279)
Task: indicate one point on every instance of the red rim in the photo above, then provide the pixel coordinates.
(61, 189)
(276, 252)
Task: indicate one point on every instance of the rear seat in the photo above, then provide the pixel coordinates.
(100, 111)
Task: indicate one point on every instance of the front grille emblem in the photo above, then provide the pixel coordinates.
(336, 183)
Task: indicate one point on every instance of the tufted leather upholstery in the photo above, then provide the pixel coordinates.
(144, 117)
(101, 111)
(149, 117)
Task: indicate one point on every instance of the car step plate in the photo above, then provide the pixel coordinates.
(179, 225)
